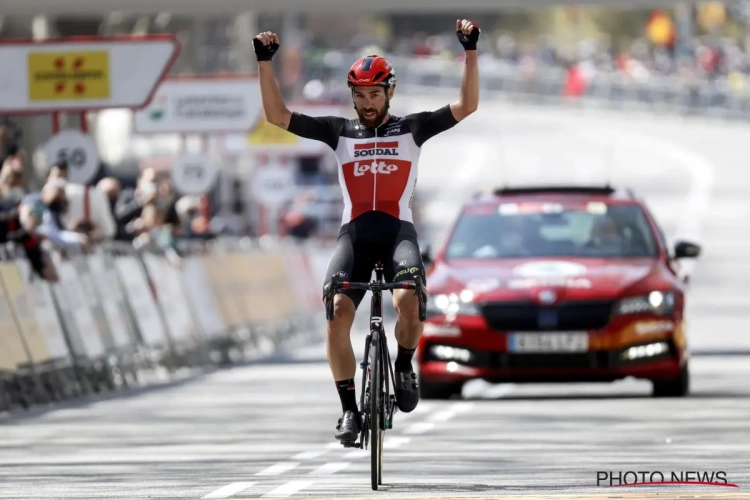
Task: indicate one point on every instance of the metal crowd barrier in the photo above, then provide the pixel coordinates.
(123, 317)
(546, 85)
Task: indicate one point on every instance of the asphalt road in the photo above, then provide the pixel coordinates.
(266, 429)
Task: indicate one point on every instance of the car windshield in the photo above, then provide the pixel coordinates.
(515, 230)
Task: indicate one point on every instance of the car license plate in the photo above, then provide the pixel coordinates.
(548, 342)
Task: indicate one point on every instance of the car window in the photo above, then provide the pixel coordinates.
(547, 230)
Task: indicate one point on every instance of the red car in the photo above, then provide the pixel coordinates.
(555, 284)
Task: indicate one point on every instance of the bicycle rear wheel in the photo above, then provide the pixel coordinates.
(375, 409)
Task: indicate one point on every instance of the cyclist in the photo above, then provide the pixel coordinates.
(378, 155)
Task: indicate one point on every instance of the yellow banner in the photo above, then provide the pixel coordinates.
(11, 343)
(68, 76)
(266, 133)
(23, 309)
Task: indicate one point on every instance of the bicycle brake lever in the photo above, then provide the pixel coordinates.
(421, 292)
(328, 297)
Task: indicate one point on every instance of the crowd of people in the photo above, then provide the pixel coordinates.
(63, 216)
(706, 57)
(711, 61)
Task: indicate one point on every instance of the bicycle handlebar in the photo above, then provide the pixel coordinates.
(336, 286)
(350, 285)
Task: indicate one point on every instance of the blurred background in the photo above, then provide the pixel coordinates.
(689, 59)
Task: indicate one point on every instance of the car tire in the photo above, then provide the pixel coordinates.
(439, 391)
(678, 387)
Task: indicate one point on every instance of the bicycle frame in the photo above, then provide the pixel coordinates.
(376, 325)
(384, 407)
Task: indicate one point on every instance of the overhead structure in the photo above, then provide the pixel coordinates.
(223, 7)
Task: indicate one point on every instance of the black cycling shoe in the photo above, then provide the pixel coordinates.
(347, 431)
(407, 391)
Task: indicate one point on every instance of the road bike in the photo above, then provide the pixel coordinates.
(377, 405)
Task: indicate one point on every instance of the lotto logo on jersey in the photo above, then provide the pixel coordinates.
(381, 149)
(375, 167)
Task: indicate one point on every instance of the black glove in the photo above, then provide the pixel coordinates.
(264, 52)
(469, 41)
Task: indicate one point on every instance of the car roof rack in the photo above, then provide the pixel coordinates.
(591, 190)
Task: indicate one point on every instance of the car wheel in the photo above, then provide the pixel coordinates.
(439, 391)
(673, 388)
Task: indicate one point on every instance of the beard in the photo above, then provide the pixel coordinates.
(377, 120)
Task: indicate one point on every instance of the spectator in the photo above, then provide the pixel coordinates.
(113, 189)
(88, 208)
(55, 202)
(194, 225)
(130, 203)
(12, 180)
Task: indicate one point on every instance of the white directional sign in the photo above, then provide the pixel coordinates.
(202, 104)
(273, 185)
(194, 174)
(83, 73)
(76, 148)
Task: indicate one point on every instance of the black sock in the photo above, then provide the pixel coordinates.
(347, 394)
(403, 359)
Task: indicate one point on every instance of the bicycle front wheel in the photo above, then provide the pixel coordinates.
(375, 406)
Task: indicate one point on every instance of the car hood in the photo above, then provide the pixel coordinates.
(514, 279)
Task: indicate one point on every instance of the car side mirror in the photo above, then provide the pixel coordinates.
(686, 250)
(426, 257)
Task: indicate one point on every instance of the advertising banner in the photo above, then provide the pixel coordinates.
(264, 137)
(202, 104)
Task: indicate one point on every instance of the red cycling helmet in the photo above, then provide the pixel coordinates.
(372, 71)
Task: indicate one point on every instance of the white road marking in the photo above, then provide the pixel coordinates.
(419, 428)
(288, 489)
(330, 468)
(278, 468)
(395, 442)
(228, 490)
(447, 414)
(462, 407)
(334, 445)
(442, 416)
(307, 455)
(357, 454)
(497, 391)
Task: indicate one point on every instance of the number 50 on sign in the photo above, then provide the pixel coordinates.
(78, 150)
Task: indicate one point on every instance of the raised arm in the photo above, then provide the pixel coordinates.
(468, 99)
(266, 44)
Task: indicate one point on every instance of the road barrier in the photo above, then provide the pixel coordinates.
(722, 97)
(122, 316)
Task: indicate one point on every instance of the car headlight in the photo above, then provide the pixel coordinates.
(452, 303)
(656, 302)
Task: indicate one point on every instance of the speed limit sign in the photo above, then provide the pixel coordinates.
(78, 150)
(194, 174)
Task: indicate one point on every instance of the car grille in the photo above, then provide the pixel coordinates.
(530, 317)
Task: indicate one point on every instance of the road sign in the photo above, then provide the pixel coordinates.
(202, 104)
(194, 174)
(273, 185)
(85, 73)
(76, 148)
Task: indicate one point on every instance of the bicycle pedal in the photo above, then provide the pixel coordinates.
(351, 444)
